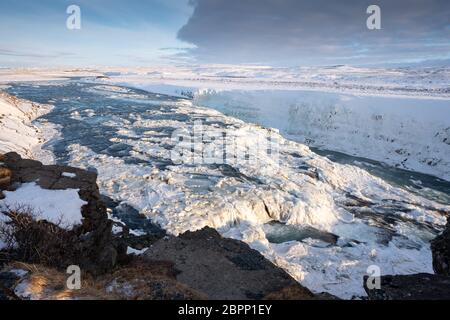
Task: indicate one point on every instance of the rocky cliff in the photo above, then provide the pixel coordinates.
(93, 239)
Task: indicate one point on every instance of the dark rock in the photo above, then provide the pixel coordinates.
(223, 268)
(131, 219)
(440, 248)
(297, 292)
(420, 286)
(141, 242)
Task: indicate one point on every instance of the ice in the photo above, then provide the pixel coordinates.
(410, 133)
(301, 189)
(399, 116)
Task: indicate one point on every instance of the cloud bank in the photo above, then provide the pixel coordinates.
(317, 32)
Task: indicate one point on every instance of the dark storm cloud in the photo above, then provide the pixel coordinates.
(317, 32)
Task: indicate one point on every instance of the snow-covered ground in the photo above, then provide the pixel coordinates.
(419, 81)
(18, 133)
(342, 79)
(62, 207)
(39, 74)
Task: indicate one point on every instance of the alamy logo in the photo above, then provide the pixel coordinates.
(74, 280)
(74, 20)
(201, 145)
(374, 20)
(374, 279)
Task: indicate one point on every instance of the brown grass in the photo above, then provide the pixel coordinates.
(293, 292)
(141, 280)
(45, 250)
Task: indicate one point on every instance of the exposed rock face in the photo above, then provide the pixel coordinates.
(225, 268)
(420, 286)
(52, 178)
(95, 233)
(440, 248)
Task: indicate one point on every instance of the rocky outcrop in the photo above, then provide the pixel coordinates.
(53, 177)
(94, 235)
(420, 286)
(224, 268)
(440, 248)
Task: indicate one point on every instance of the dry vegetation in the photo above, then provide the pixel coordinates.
(45, 250)
(34, 241)
(137, 281)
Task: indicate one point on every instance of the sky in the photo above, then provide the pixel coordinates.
(268, 32)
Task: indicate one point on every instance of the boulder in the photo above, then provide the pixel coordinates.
(225, 269)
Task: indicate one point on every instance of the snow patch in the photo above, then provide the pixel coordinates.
(69, 175)
(136, 252)
(56, 206)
